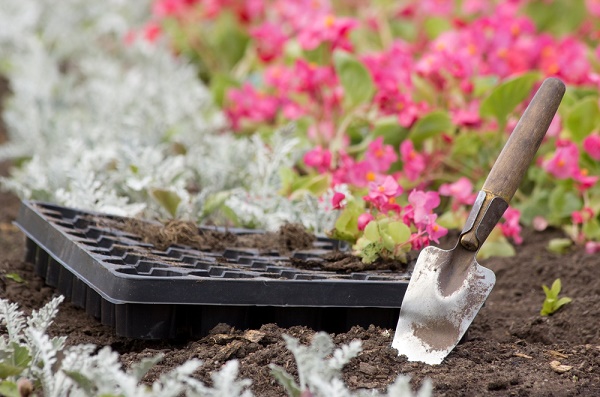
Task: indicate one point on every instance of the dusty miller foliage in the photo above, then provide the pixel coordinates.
(128, 129)
(320, 371)
(27, 352)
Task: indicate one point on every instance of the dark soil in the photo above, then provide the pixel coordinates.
(508, 353)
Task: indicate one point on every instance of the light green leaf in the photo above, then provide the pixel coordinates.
(140, 369)
(505, 97)
(346, 225)
(314, 184)
(563, 202)
(371, 232)
(82, 381)
(7, 370)
(434, 26)
(556, 287)
(9, 389)
(560, 245)
(229, 40)
(169, 200)
(431, 125)
(392, 132)
(14, 277)
(398, 231)
(220, 83)
(286, 380)
(355, 78)
(499, 247)
(591, 229)
(582, 118)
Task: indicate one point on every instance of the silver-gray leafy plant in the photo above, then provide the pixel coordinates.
(28, 355)
(96, 123)
(320, 371)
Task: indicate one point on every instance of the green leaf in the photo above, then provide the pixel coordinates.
(499, 247)
(563, 201)
(371, 252)
(552, 303)
(21, 355)
(392, 132)
(140, 369)
(314, 184)
(431, 125)
(559, 17)
(556, 287)
(7, 370)
(371, 232)
(434, 26)
(82, 381)
(398, 231)
(286, 380)
(355, 78)
(560, 245)
(9, 389)
(167, 199)
(583, 118)
(229, 40)
(346, 225)
(505, 97)
(14, 277)
(591, 229)
(220, 83)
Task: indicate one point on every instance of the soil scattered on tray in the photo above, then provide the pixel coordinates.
(287, 240)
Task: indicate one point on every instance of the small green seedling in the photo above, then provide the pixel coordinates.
(553, 302)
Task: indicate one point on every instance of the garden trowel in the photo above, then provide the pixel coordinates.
(447, 288)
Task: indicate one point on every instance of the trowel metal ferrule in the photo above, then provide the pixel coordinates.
(485, 214)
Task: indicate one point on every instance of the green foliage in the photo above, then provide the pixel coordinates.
(168, 199)
(431, 125)
(583, 117)
(392, 132)
(384, 238)
(14, 277)
(505, 97)
(346, 225)
(355, 78)
(560, 245)
(558, 16)
(552, 302)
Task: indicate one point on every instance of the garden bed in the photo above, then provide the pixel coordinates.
(509, 351)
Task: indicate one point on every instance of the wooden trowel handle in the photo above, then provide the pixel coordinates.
(512, 163)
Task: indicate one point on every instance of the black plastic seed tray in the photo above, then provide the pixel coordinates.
(147, 293)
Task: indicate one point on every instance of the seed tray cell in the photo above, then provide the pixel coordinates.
(181, 291)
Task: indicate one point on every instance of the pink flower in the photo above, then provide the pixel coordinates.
(167, 8)
(564, 162)
(511, 227)
(593, 6)
(591, 145)
(318, 158)
(151, 32)
(327, 28)
(461, 191)
(414, 163)
(422, 204)
(269, 41)
(380, 156)
(585, 181)
(592, 247)
(338, 200)
(363, 220)
(539, 223)
(434, 230)
(247, 104)
(382, 194)
(579, 217)
(555, 127)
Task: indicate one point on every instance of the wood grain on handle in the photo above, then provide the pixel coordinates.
(512, 163)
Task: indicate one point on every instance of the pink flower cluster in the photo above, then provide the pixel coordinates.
(564, 163)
